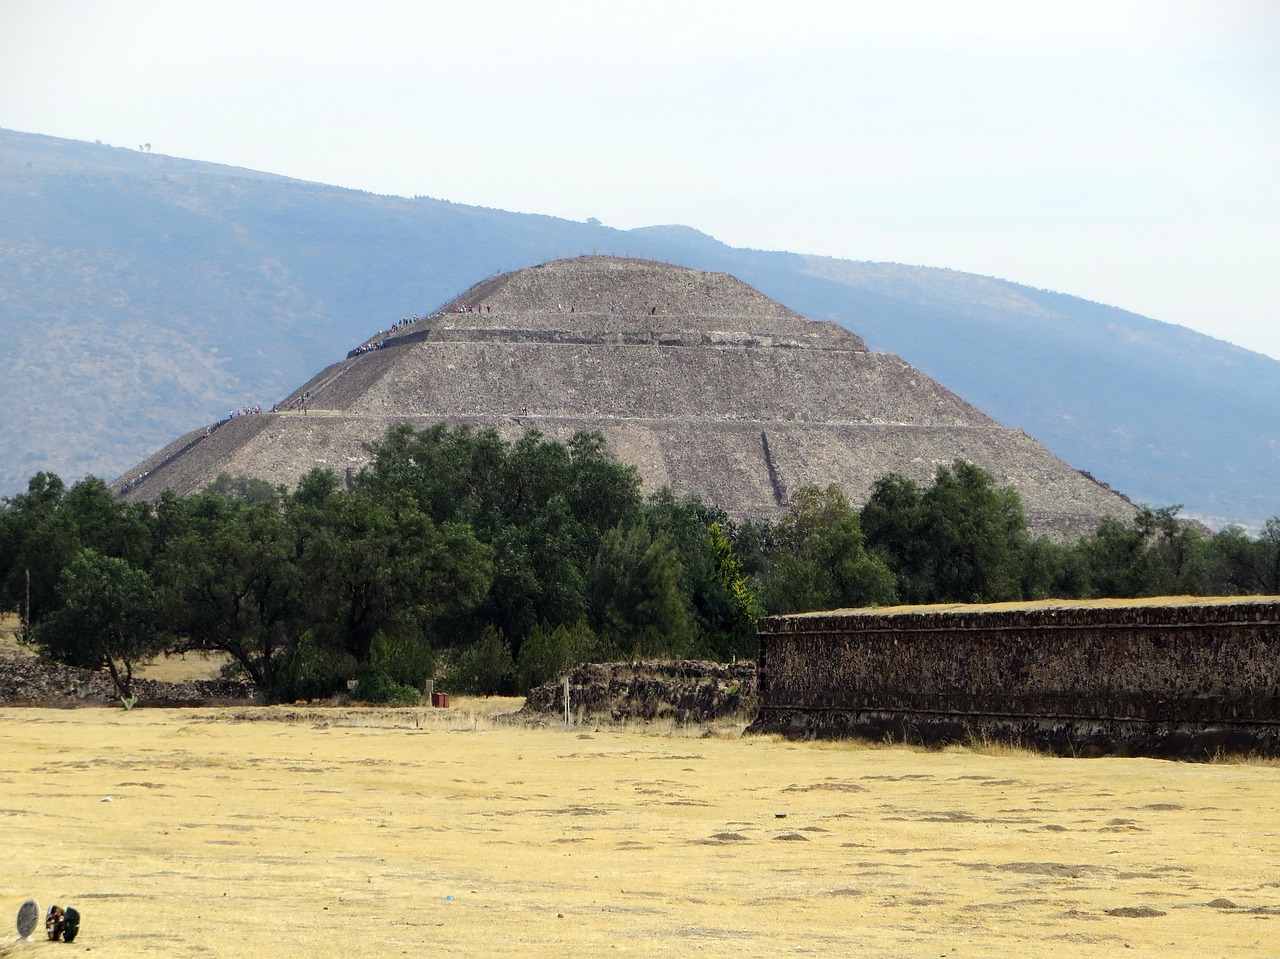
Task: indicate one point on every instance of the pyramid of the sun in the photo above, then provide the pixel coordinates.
(700, 381)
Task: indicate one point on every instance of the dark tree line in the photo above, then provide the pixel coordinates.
(491, 566)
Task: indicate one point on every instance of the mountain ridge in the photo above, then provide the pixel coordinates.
(146, 295)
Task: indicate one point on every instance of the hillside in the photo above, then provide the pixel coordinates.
(143, 296)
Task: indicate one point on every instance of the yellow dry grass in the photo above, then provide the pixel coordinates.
(10, 626)
(288, 832)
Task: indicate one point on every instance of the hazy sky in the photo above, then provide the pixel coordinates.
(1127, 152)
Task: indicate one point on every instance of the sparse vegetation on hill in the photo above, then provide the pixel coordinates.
(491, 566)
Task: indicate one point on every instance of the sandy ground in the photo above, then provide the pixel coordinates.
(358, 833)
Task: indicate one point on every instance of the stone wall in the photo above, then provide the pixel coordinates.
(687, 692)
(1158, 678)
(28, 681)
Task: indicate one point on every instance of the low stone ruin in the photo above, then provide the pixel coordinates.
(29, 681)
(687, 692)
(1186, 677)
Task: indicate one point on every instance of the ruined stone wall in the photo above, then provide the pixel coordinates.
(688, 691)
(1183, 679)
(28, 681)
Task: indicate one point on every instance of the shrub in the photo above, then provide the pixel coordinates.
(409, 661)
(545, 654)
(376, 687)
(311, 670)
(485, 667)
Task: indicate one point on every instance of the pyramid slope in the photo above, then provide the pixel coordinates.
(467, 378)
(695, 378)
(604, 296)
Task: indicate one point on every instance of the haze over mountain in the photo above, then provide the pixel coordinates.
(143, 295)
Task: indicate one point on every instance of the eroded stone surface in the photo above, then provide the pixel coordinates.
(698, 380)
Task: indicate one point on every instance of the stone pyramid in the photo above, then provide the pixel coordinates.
(700, 381)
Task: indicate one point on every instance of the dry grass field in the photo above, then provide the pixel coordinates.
(292, 832)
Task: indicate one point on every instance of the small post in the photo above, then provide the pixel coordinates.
(566, 700)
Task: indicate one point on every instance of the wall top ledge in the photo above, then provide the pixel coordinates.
(1153, 611)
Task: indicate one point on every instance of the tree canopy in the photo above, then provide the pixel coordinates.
(490, 565)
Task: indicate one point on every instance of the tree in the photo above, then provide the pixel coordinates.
(1117, 561)
(1179, 549)
(230, 581)
(718, 595)
(542, 506)
(1153, 555)
(1052, 569)
(602, 493)
(373, 565)
(43, 529)
(744, 609)
(485, 667)
(892, 522)
(548, 652)
(111, 617)
(975, 534)
(820, 560)
(248, 488)
(20, 550)
(1250, 565)
(959, 540)
(637, 606)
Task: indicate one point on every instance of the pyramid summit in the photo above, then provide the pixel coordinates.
(701, 382)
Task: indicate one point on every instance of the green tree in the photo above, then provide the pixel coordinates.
(602, 493)
(405, 660)
(1052, 569)
(30, 557)
(227, 568)
(111, 617)
(1117, 560)
(542, 507)
(637, 606)
(546, 653)
(247, 488)
(893, 524)
(371, 564)
(709, 572)
(976, 533)
(744, 606)
(820, 560)
(1154, 554)
(43, 530)
(1249, 565)
(485, 667)
(959, 540)
(1182, 552)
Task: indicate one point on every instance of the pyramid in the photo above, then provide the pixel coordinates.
(701, 382)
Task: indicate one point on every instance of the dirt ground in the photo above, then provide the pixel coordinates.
(290, 832)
